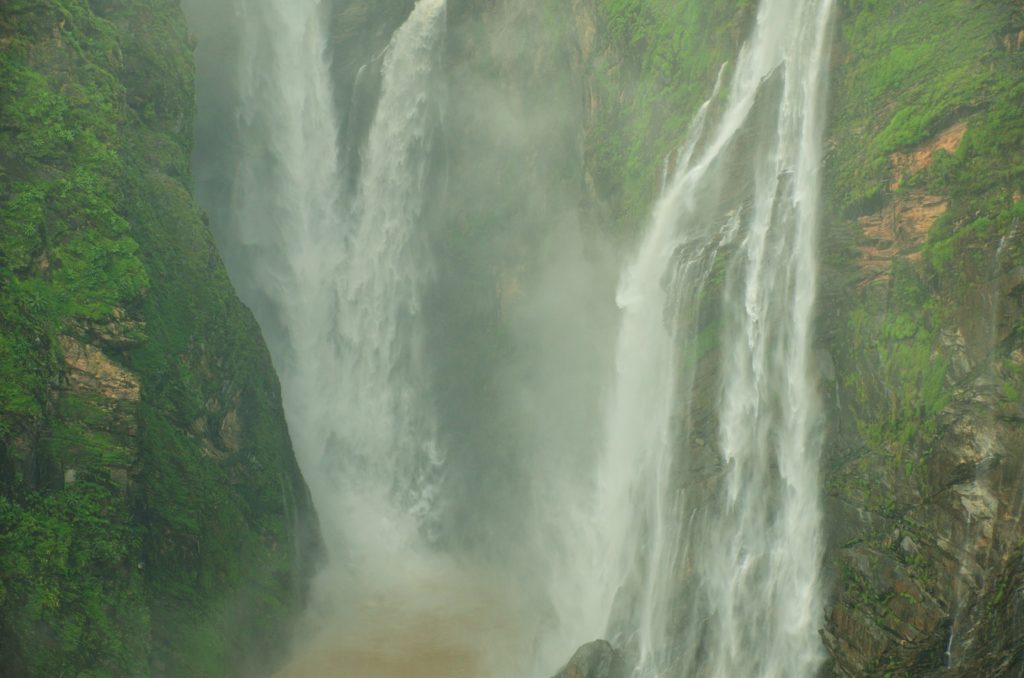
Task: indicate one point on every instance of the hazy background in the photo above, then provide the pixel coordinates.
(516, 330)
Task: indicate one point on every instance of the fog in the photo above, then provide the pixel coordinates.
(402, 212)
(519, 435)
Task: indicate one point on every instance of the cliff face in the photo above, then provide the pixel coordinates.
(921, 314)
(152, 517)
(919, 342)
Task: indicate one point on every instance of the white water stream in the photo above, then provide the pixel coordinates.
(697, 555)
(336, 279)
(720, 566)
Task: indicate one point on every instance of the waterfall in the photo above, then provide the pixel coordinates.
(323, 237)
(382, 454)
(691, 536)
(703, 557)
(335, 275)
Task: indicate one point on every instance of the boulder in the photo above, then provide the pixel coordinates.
(595, 660)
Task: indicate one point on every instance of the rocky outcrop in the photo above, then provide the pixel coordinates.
(899, 230)
(595, 660)
(90, 371)
(907, 164)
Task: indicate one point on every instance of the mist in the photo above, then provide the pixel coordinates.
(496, 404)
(478, 398)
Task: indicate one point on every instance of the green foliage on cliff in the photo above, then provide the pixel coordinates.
(898, 88)
(59, 554)
(905, 78)
(922, 237)
(140, 533)
(655, 62)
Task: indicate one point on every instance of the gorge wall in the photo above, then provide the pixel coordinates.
(921, 315)
(152, 518)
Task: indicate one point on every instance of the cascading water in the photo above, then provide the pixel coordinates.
(720, 578)
(331, 256)
(699, 558)
(383, 439)
(334, 268)
(335, 279)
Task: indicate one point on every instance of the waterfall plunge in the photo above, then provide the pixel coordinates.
(700, 558)
(703, 558)
(335, 277)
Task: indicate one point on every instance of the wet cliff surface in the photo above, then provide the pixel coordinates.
(152, 519)
(921, 316)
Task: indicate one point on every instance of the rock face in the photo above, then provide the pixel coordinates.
(152, 518)
(922, 247)
(595, 660)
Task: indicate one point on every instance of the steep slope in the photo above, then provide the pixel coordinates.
(152, 517)
(922, 319)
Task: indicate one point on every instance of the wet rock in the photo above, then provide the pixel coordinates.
(231, 432)
(595, 660)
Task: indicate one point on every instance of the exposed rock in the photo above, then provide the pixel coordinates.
(120, 333)
(586, 27)
(92, 371)
(231, 432)
(908, 164)
(595, 660)
(1014, 42)
(897, 231)
(901, 227)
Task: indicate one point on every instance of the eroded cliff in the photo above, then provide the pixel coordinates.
(921, 314)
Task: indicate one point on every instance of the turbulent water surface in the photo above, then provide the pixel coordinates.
(691, 535)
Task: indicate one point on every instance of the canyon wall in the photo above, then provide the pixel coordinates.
(152, 518)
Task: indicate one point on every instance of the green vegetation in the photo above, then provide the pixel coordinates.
(904, 370)
(139, 533)
(897, 86)
(902, 81)
(655, 63)
(58, 552)
(913, 341)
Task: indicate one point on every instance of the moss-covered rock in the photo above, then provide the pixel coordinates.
(152, 517)
(649, 66)
(922, 251)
